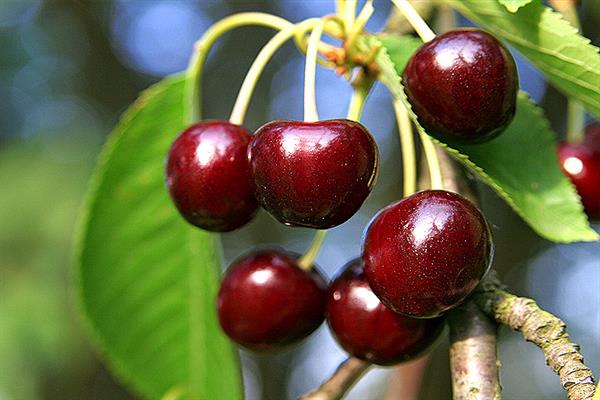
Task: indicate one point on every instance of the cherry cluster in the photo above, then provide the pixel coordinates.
(421, 256)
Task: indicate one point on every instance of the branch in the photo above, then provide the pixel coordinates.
(544, 330)
(338, 384)
(473, 359)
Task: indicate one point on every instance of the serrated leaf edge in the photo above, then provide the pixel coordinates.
(464, 159)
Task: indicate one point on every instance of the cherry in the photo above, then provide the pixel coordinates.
(267, 302)
(424, 254)
(208, 176)
(463, 86)
(367, 329)
(313, 174)
(582, 165)
(592, 136)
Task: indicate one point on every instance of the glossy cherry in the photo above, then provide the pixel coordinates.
(267, 302)
(369, 330)
(581, 163)
(463, 86)
(208, 176)
(313, 174)
(425, 253)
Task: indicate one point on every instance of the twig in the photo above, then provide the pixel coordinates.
(342, 379)
(473, 359)
(544, 330)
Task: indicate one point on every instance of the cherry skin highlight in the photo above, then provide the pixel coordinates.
(427, 252)
(208, 176)
(267, 302)
(369, 330)
(462, 86)
(313, 174)
(582, 165)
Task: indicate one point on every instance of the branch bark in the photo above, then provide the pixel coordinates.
(473, 359)
(544, 330)
(340, 382)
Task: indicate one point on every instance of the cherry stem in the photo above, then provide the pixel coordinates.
(407, 142)
(308, 258)
(433, 162)
(346, 12)
(413, 17)
(362, 88)
(340, 382)
(575, 110)
(426, 34)
(575, 121)
(203, 46)
(310, 100)
(359, 23)
(243, 100)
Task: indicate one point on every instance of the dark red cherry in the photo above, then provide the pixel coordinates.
(369, 330)
(424, 254)
(463, 86)
(313, 174)
(208, 176)
(267, 302)
(582, 165)
(592, 136)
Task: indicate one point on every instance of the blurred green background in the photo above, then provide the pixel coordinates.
(68, 68)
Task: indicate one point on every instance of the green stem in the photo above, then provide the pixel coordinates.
(308, 258)
(413, 17)
(426, 34)
(243, 99)
(359, 24)
(203, 46)
(407, 142)
(575, 121)
(310, 101)
(361, 91)
(359, 97)
(575, 110)
(433, 162)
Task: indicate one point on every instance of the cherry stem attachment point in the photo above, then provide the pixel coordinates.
(413, 17)
(203, 46)
(407, 142)
(243, 100)
(310, 102)
(308, 258)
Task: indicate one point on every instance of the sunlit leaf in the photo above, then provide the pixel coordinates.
(520, 164)
(147, 279)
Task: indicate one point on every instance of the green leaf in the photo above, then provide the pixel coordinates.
(520, 164)
(399, 48)
(567, 59)
(514, 5)
(148, 280)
